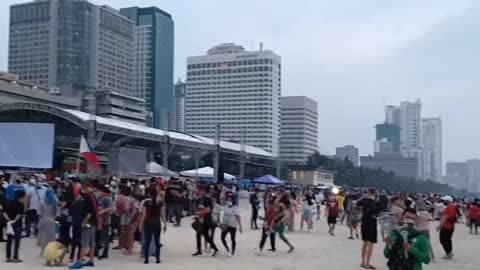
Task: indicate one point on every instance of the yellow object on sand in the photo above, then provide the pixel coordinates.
(53, 251)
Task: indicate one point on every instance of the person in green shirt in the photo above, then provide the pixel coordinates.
(407, 248)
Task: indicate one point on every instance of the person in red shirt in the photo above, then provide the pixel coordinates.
(268, 230)
(331, 212)
(473, 215)
(447, 226)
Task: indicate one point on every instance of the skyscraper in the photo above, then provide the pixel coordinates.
(238, 89)
(410, 124)
(432, 143)
(393, 115)
(178, 114)
(298, 128)
(457, 174)
(154, 62)
(73, 45)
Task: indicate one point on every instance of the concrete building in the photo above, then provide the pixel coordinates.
(411, 124)
(392, 162)
(117, 106)
(298, 128)
(73, 45)
(238, 89)
(393, 115)
(391, 133)
(432, 145)
(457, 174)
(315, 178)
(13, 90)
(154, 49)
(349, 152)
(473, 170)
(178, 115)
(383, 146)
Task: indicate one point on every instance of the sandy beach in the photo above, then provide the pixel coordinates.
(314, 250)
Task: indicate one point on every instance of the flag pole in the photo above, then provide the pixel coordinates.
(78, 163)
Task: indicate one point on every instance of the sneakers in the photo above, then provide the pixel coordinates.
(76, 265)
(448, 256)
(88, 264)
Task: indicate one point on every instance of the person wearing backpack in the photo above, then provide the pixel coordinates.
(406, 247)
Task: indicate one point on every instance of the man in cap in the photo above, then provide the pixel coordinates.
(447, 226)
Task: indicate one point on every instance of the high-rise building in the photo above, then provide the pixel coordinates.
(73, 45)
(178, 114)
(432, 143)
(154, 60)
(473, 170)
(457, 174)
(298, 128)
(349, 152)
(393, 115)
(238, 89)
(390, 132)
(411, 124)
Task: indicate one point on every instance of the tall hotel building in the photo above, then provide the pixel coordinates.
(238, 89)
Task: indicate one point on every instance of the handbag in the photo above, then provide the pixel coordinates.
(10, 230)
(223, 227)
(196, 225)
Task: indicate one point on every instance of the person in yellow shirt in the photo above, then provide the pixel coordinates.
(341, 204)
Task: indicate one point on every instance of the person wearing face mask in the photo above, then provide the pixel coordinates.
(46, 224)
(406, 247)
(231, 221)
(35, 198)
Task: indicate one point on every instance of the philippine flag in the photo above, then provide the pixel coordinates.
(88, 154)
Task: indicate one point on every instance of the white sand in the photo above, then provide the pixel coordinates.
(315, 250)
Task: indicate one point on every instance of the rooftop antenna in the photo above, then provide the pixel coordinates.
(261, 46)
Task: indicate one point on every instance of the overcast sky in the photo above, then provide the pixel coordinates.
(351, 56)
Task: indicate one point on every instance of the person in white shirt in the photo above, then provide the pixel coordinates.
(231, 221)
(35, 197)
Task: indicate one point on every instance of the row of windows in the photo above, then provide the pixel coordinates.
(198, 90)
(34, 11)
(230, 70)
(231, 63)
(200, 86)
(260, 110)
(202, 104)
(235, 129)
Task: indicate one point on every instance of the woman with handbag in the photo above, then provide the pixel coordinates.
(231, 221)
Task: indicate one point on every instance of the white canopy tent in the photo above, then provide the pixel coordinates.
(157, 169)
(205, 172)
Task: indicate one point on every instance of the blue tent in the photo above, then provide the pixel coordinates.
(268, 180)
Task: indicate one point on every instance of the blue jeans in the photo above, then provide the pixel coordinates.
(151, 231)
(174, 210)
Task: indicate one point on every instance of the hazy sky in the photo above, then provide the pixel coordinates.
(352, 56)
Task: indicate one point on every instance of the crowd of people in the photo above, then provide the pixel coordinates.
(82, 218)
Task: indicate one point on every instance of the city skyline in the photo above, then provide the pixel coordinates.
(326, 68)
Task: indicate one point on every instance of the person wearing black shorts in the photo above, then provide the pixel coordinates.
(332, 212)
(370, 209)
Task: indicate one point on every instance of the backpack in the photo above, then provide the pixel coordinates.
(397, 260)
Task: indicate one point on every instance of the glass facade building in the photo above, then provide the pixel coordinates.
(154, 74)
